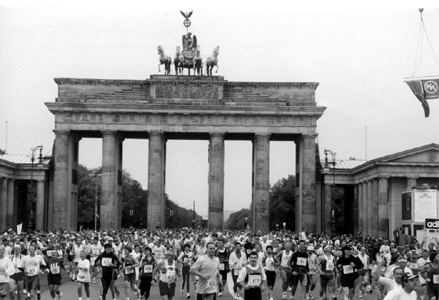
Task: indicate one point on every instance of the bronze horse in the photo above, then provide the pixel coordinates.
(163, 59)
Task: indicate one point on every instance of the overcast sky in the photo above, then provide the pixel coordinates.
(359, 57)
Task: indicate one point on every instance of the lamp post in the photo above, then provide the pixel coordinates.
(31, 188)
(96, 175)
(326, 169)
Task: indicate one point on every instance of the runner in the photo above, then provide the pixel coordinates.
(168, 271)
(300, 269)
(31, 265)
(146, 268)
(16, 280)
(207, 269)
(347, 266)
(108, 262)
(83, 276)
(252, 278)
(54, 266)
(6, 270)
(312, 263)
(96, 249)
(407, 291)
(185, 259)
(270, 264)
(284, 257)
(223, 256)
(326, 267)
(430, 272)
(129, 265)
(237, 260)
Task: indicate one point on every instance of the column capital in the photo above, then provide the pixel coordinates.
(156, 133)
(216, 133)
(311, 135)
(61, 132)
(109, 132)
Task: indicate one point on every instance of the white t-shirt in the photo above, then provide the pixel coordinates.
(400, 294)
(6, 269)
(84, 275)
(31, 264)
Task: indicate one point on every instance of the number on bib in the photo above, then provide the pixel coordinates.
(54, 269)
(221, 267)
(301, 261)
(435, 278)
(147, 268)
(348, 269)
(106, 261)
(129, 270)
(329, 266)
(254, 280)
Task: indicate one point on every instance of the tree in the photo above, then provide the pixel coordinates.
(237, 219)
(282, 203)
(86, 195)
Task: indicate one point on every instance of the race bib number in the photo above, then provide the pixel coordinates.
(236, 272)
(211, 283)
(60, 252)
(129, 270)
(301, 261)
(95, 251)
(81, 277)
(106, 261)
(50, 253)
(32, 271)
(329, 266)
(254, 280)
(54, 269)
(221, 267)
(170, 275)
(147, 268)
(348, 270)
(186, 260)
(435, 278)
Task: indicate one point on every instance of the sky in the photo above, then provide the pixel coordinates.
(359, 56)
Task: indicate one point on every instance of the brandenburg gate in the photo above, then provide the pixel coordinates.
(167, 107)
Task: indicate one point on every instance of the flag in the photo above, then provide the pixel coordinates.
(424, 89)
(19, 227)
(97, 216)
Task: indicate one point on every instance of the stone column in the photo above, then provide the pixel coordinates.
(365, 210)
(370, 207)
(375, 224)
(356, 209)
(11, 212)
(216, 181)
(61, 192)
(383, 223)
(40, 207)
(308, 197)
(328, 209)
(156, 179)
(298, 199)
(3, 203)
(109, 213)
(261, 182)
(360, 207)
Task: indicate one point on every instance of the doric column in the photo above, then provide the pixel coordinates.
(328, 209)
(365, 215)
(370, 207)
(61, 192)
(383, 223)
(216, 181)
(375, 224)
(40, 206)
(156, 180)
(109, 177)
(3, 202)
(11, 212)
(308, 179)
(360, 207)
(356, 209)
(261, 182)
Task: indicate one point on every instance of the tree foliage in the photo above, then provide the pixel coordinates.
(237, 220)
(134, 202)
(282, 203)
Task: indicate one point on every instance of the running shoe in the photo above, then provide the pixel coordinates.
(188, 296)
(284, 295)
(60, 295)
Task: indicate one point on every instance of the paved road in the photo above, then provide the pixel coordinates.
(69, 290)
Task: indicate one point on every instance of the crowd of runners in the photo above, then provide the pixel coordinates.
(135, 261)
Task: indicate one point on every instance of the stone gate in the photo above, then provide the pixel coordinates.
(168, 107)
